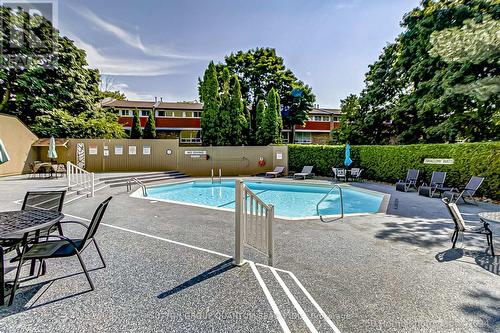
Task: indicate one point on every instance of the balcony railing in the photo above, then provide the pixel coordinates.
(190, 140)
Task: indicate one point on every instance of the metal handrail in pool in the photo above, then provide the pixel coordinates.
(334, 186)
(138, 182)
(220, 176)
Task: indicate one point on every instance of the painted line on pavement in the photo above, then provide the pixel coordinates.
(294, 301)
(270, 298)
(156, 237)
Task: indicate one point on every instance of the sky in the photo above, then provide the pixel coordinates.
(159, 48)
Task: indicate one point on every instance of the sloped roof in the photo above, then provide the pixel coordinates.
(149, 105)
(328, 112)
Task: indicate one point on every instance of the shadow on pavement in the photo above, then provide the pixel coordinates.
(214, 271)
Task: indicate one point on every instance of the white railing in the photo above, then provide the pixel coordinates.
(78, 177)
(254, 224)
(212, 176)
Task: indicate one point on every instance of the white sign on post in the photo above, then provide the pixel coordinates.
(279, 156)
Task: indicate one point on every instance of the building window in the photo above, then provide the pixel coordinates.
(197, 114)
(303, 137)
(161, 113)
(336, 119)
(285, 136)
(190, 136)
(144, 113)
(124, 113)
(321, 118)
(184, 114)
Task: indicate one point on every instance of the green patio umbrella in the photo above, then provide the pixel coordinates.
(52, 154)
(4, 157)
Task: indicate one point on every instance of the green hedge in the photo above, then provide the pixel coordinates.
(389, 163)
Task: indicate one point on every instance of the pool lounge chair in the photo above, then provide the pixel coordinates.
(278, 171)
(409, 182)
(468, 191)
(339, 173)
(436, 184)
(305, 173)
(460, 226)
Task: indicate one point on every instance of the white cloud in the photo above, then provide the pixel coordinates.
(131, 94)
(111, 65)
(129, 38)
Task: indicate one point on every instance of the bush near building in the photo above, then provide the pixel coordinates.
(390, 162)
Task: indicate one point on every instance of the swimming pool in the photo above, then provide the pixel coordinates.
(289, 200)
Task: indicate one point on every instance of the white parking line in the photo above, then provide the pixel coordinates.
(156, 237)
(316, 305)
(294, 301)
(261, 282)
(270, 298)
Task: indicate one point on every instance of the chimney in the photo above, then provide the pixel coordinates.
(156, 99)
(161, 99)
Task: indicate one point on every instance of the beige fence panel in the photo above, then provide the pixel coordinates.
(115, 155)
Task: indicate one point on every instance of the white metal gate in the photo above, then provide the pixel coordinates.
(254, 224)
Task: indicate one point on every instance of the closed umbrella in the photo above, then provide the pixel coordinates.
(52, 149)
(4, 157)
(347, 160)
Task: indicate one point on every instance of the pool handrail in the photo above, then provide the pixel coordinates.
(138, 182)
(220, 176)
(334, 186)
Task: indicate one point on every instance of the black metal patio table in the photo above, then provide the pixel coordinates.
(17, 225)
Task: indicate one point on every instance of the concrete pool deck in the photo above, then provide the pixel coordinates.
(169, 270)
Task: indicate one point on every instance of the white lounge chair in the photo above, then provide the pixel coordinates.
(278, 171)
(305, 173)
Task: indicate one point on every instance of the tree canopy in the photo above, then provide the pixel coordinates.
(259, 70)
(422, 87)
(44, 75)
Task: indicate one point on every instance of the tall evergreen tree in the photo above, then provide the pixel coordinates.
(272, 124)
(239, 128)
(209, 94)
(150, 127)
(224, 120)
(259, 129)
(136, 130)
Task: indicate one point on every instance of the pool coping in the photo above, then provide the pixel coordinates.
(382, 208)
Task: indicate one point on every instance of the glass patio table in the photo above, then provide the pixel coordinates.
(15, 227)
(490, 216)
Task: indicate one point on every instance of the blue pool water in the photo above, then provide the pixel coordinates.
(289, 200)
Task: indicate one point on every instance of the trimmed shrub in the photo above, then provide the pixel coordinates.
(390, 163)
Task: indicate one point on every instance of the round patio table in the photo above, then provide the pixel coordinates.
(15, 224)
(490, 216)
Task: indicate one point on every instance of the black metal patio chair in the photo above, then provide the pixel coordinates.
(45, 200)
(436, 184)
(468, 191)
(460, 226)
(42, 248)
(409, 182)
